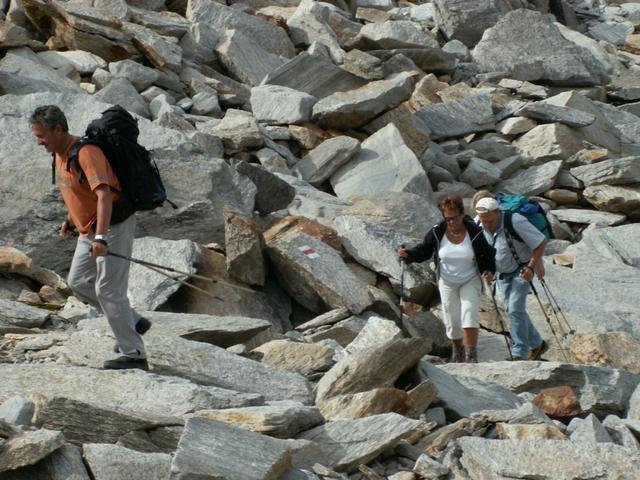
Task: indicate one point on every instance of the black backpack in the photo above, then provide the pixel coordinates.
(116, 134)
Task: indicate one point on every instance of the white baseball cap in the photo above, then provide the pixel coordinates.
(487, 204)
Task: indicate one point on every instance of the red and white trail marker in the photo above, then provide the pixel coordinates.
(309, 252)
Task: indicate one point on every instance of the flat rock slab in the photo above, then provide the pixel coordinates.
(464, 398)
(599, 390)
(142, 393)
(304, 358)
(576, 215)
(314, 74)
(22, 315)
(278, 419)
(201, 363)
(533, 180)
(372, 368)
(217, 330)
(211, 450)
(350, 443)
(617, 171)
(547, 112)
(321, 162)
(354, 108)
(458, 117)
(28, 448)
(497, 459)
(111, 462)
(148, 289)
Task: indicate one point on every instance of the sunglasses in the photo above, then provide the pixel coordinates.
(454, 218)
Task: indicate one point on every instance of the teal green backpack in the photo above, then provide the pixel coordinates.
(530, 209)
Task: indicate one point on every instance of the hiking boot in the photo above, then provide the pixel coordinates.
(471, 355)
(123, 363)
(142, 326)
(458, 355)
(536, 353)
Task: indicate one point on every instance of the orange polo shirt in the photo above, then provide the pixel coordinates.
(80, 198)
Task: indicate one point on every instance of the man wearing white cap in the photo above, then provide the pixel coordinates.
(516, 263)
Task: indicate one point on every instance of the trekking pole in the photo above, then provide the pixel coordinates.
(552, 300)
(560, 327)
(546, 317)
(401, 305)
(492, 289)
(182, 282)
(188, 274)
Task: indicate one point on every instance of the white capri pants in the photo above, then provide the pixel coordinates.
(460, 305)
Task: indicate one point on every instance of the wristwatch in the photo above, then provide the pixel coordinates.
(99, 238)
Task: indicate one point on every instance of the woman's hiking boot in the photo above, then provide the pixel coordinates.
(471, 355)
(458, 355)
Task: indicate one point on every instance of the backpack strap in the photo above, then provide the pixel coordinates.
(510, 234)
(53, 169)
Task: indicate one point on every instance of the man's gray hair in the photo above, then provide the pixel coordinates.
(49, 116)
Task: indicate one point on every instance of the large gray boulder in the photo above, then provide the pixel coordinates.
(599, 390)
(528, 46)
(199, 362)
(617, 171)
(112, 461)
(122, 92)
(245, 58)
(22, 72)
(22, 315)
(312, 203)
(283, 419)
(314, 273)
(270, 37)
(600, 132)
(395, 34)
(466, 20)
(29, 447)
(275, 104)
(548, 142)
(354, 108)
(316, 75)
(482, 458)
(533, 180)
(609, 258)
(149, 289)
(320, 163)
(384, 164)
(310, 23)
(210, 450)
(458, 117)
(614, 198)
(463, 398)
(373, 229)
(70, 398)
(349, 443)
(222, 331)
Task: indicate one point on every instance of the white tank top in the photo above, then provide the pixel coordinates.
(457, 261)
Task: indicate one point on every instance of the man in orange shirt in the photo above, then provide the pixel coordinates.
(94, 277)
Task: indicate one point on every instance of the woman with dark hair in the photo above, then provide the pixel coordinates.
(461, 253)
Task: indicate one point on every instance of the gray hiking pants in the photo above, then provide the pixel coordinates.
(102, 282)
